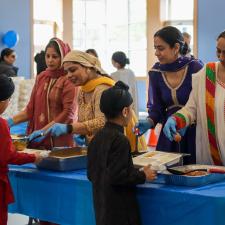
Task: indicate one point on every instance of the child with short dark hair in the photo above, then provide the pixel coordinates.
(110, 166)
(8, 154)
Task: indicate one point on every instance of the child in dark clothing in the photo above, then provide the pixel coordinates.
(8, 154)
(110, 167)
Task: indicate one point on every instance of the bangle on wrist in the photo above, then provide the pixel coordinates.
(69, 128)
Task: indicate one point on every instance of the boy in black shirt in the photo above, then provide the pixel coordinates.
(110, 167)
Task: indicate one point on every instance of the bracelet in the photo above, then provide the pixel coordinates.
(69, 128)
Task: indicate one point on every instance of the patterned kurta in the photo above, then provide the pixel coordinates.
(89, 110)
(60, 106)
(165, 100)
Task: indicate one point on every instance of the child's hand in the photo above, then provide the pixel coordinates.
(149, 173)
(38, 156)
(41, 155)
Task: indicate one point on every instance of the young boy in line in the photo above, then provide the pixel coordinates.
(110, 167)
(8, 154)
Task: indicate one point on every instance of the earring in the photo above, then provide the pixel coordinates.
(88, 70)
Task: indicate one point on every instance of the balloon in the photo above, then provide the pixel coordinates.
(10, 38)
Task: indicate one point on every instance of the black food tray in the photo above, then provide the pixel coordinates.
(65, 160)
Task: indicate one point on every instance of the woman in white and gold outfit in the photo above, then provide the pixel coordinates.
(206, 107)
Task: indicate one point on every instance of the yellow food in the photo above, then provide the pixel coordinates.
(19, 142)
(150, 154)
(197, 173)
(68, 153)
(19, 145)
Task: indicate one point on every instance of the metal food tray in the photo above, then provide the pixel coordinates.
(65, 160)
(157, 158)
(191, 181)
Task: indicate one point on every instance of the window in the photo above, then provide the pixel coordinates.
(178, 13)
(46, 25)
(109, 26)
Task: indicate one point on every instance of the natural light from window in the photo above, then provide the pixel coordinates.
(109, 26)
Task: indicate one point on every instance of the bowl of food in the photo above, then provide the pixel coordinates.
(20, 142)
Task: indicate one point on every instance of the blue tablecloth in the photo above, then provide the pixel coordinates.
(19, 128)
(66, 198)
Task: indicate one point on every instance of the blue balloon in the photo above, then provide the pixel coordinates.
(10, 39)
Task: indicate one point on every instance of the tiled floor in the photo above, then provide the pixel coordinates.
(17, 219)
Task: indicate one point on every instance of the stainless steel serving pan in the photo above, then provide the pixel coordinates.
(66, 159)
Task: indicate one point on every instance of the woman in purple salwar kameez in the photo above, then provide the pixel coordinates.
(170, 83)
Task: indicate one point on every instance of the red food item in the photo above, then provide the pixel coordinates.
(177, 137)
(197, 173)
(216, 170)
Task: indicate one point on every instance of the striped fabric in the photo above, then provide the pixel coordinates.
(210, 106)
(180, 120)
(223, 86)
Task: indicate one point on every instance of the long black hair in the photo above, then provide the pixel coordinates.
(171, 35)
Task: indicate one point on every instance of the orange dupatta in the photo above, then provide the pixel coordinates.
(90, 86)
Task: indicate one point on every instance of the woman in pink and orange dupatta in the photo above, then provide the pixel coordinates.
(53, 100)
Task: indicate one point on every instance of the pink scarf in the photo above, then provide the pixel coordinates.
(39, 101)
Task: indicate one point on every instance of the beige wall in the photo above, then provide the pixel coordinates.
(153, 24)
(68, 22)
(195, 41)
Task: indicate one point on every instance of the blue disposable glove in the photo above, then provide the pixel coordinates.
(57, 129)
(10, 122)
(80, 140)
(182, 131)
(34, 136)
(170, 128)
(143, 125)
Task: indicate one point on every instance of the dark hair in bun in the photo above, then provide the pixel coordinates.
(114, 99)
(119, 84)
(171, 35)
(121, 58)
